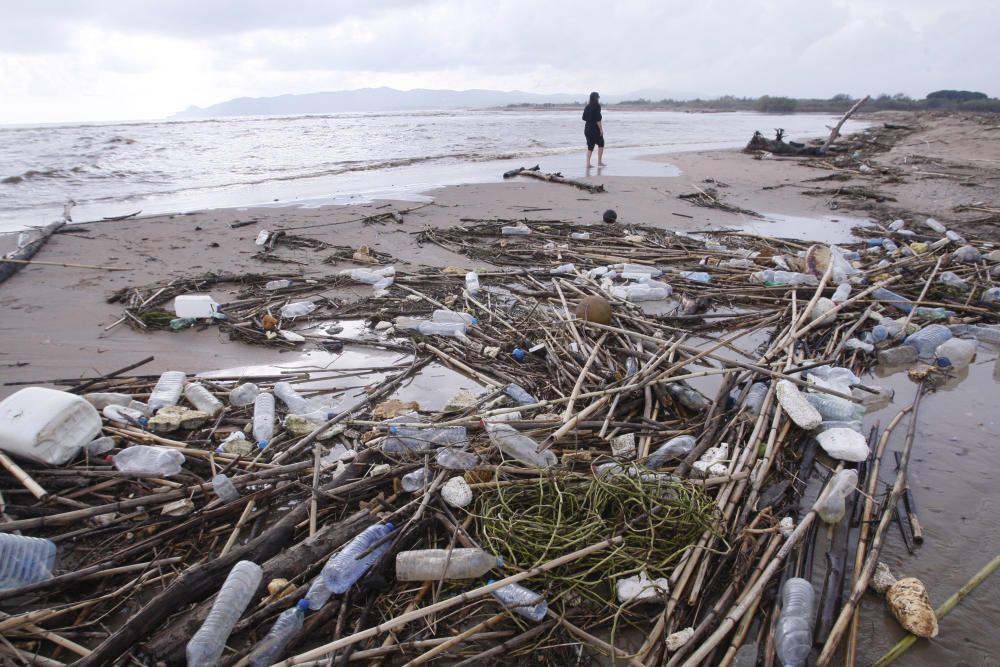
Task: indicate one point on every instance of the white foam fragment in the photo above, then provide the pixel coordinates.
(456, 492)
(843, 443)
(795, 405)
(640, 588)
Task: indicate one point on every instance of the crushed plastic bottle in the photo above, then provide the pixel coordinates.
(293, 400)
(263, 419)
(273, 285)
(522, 601)
(951, 279)
(445, 315)
(224, 488)
(773, 278)
(124, 414)
(25, 560)
(519, 395)
(205, 648)
(580, 236)
(345, 567)
(454, 329)
(297, 309)
(369, 276)
(967, 254)
(793, 633)
(696, 276)
(202, 399)
(244, 394)
(416, 480)
(440, 564)
(927, 340)
(149, 461)
(289, 622)
(673, 449)
(455, 459)
(834, 408)
(563, 270)
(167, 390)
(833, 506)
(100, 446)
(897, 356)
(518, 446)
(842, 293)
(472, 283)
(406, 439)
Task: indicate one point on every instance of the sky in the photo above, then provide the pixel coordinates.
(76, 60)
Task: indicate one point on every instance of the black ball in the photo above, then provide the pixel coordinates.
(610, 215)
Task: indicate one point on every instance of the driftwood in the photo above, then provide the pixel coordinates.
(779, 146)
(535, 172)
(27, 251)
(836, 129)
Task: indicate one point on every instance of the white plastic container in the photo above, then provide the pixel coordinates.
(195, 305)
(46, 425)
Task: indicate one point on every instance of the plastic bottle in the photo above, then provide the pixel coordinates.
(403, 439)
(563, 269)
(522, 601)
(224, 488)
(959, 352)
(273, 285)
(775, 278)
(201, 398)
(167, 390)
(445, 315)
(897, 356)
(637, 292)
(966, 255)
(927, 339)
(889, 246)
(675, 448)
(124, 415)
(896, 225)
(951, 279)
(755, 398)
(626, 267)
(149, 461)
(935, 226)
(472, 283)
(580, 236)
(520, 396)
(344, 567)
(833, 506)
(206, 646)
(100, 446)
(440, 564)
(262, 237)
(243, 395)
(992, 295)
(263, 419)
(793, 633)
(370, 277)
(318, 594)
(696, 276)
(834, 408)
(25, 560)
(842, 293)
(516, 230)
(455, 329)
(986, 333)
(100, 400)
(296, 402)
(518, 446)
(416, 480)
(297, 309)
(455, 459)
(270, 647)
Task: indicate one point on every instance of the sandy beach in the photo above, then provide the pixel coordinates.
(59, 324)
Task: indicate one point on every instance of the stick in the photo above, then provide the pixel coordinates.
(836, 129)
(24, 478)
(62, 264)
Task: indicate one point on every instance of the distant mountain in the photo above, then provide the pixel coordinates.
(381, 99)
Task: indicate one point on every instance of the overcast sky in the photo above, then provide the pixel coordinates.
(66, 60)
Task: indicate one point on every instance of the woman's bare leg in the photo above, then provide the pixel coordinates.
(600, 156)
(589, 153)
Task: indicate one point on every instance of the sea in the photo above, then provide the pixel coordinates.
(175, 166)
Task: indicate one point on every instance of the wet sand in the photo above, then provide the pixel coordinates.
(57, 319)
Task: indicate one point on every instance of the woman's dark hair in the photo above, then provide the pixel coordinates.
(594, 97)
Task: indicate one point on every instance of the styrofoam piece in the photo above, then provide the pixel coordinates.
(795, 405)
(456, 492)
(640, 588)
(844, 444)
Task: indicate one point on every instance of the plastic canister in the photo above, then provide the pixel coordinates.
(195, 305)
(46, 425)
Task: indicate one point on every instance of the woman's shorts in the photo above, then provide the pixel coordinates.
(594, 139)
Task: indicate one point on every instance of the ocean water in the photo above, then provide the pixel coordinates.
(115, 169)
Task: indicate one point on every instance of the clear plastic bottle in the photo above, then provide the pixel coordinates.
(439, 564)
(167, 390)
(755, 397)
(959, 352)
(954, 237)
(472, 283)
(263, 419)
(967, 254)
(100, 446)
(927, 339)
(416, 480)
(403, 439)
(673, 449)
(696, 276)
(297, 309)
(580, 236)
(897, 301)
(563, 270)
(224, 488)
(520, 396)
(149, 461)
(951, 279)
(201, 398)
(889, 246)
(124, 414)
(297, 403)
(515, 230)
(793, 633)
(289, 622)
(318, 594)
(842, 293)
(454, 329)
(834, 505)
(775, 278)
(518, 446)
(273, 285)
(935, 226)
(522, 601)
(455, 459)
(445, 315)
(344, 567)
(644, 291)
(834, 408)
(25, 560)
(205, 648)
(243, 395)
(897, 356)
(369, 277)
(649, 271)
(101, 400)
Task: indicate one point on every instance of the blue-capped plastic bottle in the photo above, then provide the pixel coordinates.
(446, 315)
(206, 646)
(263, 419)
(25, 560)
(344, 567)
(522, 601)
(927, 339)
(270, 647)
(793, 634)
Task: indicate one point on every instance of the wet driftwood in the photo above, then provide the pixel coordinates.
(20, 256)
(536, 172)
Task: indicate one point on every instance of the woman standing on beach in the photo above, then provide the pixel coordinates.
(594, 129)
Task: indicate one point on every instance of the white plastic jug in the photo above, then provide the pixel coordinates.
(195, 305)
(46, 425)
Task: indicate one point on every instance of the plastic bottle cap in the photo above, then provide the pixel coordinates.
(390, 526)
(518, 353)
(491, 581)
(500, 562)
(262, 444)
(943, 362)
(302, 604)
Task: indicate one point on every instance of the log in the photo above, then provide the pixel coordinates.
(536, 172)
(27, 251)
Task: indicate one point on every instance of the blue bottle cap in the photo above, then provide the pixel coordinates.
(262, 444)
(394, 430)
(500, 562)
(943, 362)
(390, 526)
(518, 354)
(303, 604)
(491, 581)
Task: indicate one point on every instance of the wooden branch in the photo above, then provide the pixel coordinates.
(535, 172)
(836, 129)
(15, 260)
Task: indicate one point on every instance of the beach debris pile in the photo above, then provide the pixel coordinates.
(659, 424)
